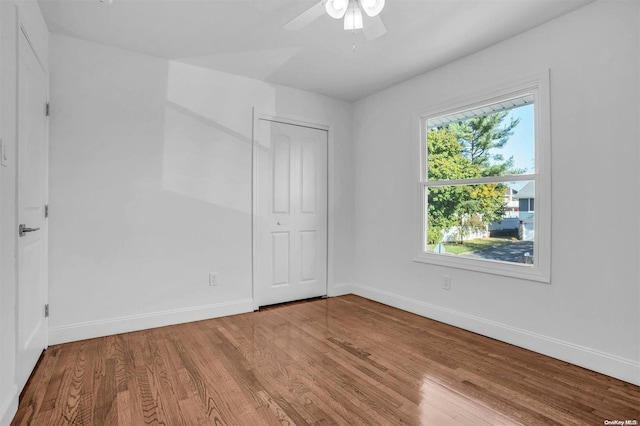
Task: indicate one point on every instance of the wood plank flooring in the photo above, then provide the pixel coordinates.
(344, 360)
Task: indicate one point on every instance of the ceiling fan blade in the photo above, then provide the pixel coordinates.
(374, 28)
(306, 17)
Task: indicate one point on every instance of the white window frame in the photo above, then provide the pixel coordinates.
(540, 270)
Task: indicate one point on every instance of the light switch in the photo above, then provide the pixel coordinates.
(4, 155)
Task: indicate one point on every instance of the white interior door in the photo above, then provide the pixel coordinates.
(291, 213)
(32, 196)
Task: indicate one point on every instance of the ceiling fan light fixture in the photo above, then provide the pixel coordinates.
(336, 8)
(353, 17)
(372, 7)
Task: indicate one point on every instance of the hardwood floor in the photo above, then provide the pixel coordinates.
(343, 360)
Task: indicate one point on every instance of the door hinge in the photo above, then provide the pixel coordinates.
(46, 211)
(47, 108)
(46, 310)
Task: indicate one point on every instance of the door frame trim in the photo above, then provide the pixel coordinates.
(302, 122)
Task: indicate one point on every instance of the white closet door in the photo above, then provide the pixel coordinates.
(291, 213)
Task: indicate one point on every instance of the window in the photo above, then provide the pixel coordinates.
(484, 164)
(526, 205)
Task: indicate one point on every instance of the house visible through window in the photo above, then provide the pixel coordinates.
(480, 180)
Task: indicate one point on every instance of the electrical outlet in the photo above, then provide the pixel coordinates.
(213, 278)
(447, 282)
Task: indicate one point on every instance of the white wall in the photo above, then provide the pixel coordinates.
(32, 20)
(589, 313)
(150, 188)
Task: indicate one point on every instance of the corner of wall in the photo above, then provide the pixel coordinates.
(340, 289)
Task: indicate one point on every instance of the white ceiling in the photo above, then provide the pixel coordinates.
(246, 37)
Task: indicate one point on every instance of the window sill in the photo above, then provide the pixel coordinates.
(508, 269)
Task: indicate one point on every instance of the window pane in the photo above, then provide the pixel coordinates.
(524, 205)
(481, 221)
(498, 143)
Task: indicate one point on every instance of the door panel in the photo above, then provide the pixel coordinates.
(281, 174)
(308, 255)
(290, 213)
(309, 176)
(281, 255)
(32, 196)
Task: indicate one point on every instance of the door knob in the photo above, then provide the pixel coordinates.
(279, 223)
(22, 229)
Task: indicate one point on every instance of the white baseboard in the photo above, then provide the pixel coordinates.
(91, 329)
(611, 365)
(9, 407)
(340, 290)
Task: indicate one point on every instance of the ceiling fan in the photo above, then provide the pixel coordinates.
(350, 10)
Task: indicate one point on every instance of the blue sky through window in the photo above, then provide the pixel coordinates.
(521, 143)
